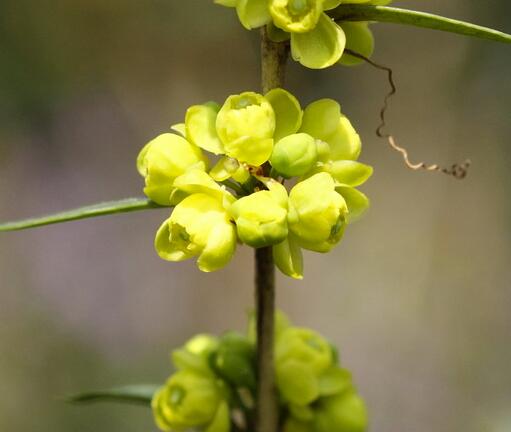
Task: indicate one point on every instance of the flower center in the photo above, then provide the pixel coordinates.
(313, 343)
(180, 237)
(176, 396)
(298, 7)
(243, 102)
(337, 230)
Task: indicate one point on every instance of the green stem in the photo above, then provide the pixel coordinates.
(234, 186)
(273, 61)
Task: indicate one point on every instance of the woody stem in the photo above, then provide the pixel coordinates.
(273, 60)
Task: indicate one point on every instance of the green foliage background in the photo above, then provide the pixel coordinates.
(417, 296)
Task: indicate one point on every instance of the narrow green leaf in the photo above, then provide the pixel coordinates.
(360, 12)
(102, 209)
(140, 394)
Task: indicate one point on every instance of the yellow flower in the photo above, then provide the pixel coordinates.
(189, 400)
(198, 227)
(317, 213)
(245, 125)
(162, 160)
(261, 218)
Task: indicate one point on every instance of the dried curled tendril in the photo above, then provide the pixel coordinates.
(457, 170)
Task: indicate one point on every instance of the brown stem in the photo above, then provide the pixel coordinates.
(273, 61)
(266, 404)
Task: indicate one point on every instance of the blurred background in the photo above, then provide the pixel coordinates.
(417, 296)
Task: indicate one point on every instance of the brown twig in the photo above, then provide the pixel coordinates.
(457, 170)
(273, 62)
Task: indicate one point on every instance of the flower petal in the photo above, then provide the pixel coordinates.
(221, 422)
(200, 125)
(253, 151)
(345, 142)
(253, 13)
(288, 113)
(219, 248)
(350, 173)
(180, 128)
(288, 258)
(296, 382)
(356, 201)
(321, 118)
(332, 4)
(321, 47)
(334, 380)
(359, 38)
(166, 248)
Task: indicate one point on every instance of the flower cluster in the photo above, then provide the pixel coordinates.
(317, 41)
(259, 142)
(216, 378)
(317, 393)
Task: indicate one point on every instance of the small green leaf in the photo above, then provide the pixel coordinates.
(361, 12)
(102, 209)
(140, 394)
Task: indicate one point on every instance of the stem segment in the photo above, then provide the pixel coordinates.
(266, 403)
(273, 61)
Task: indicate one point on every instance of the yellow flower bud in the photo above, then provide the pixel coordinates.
(301, 357)
(343, 412)
(323, 120)
(189, 400)
(246, 124)
(317, 213)
(162, 160)
(294, 155)
(261, 218)
(194, 355)
(234, 361)
(198, 227)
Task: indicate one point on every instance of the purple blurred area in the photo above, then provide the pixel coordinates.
(417, 297)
